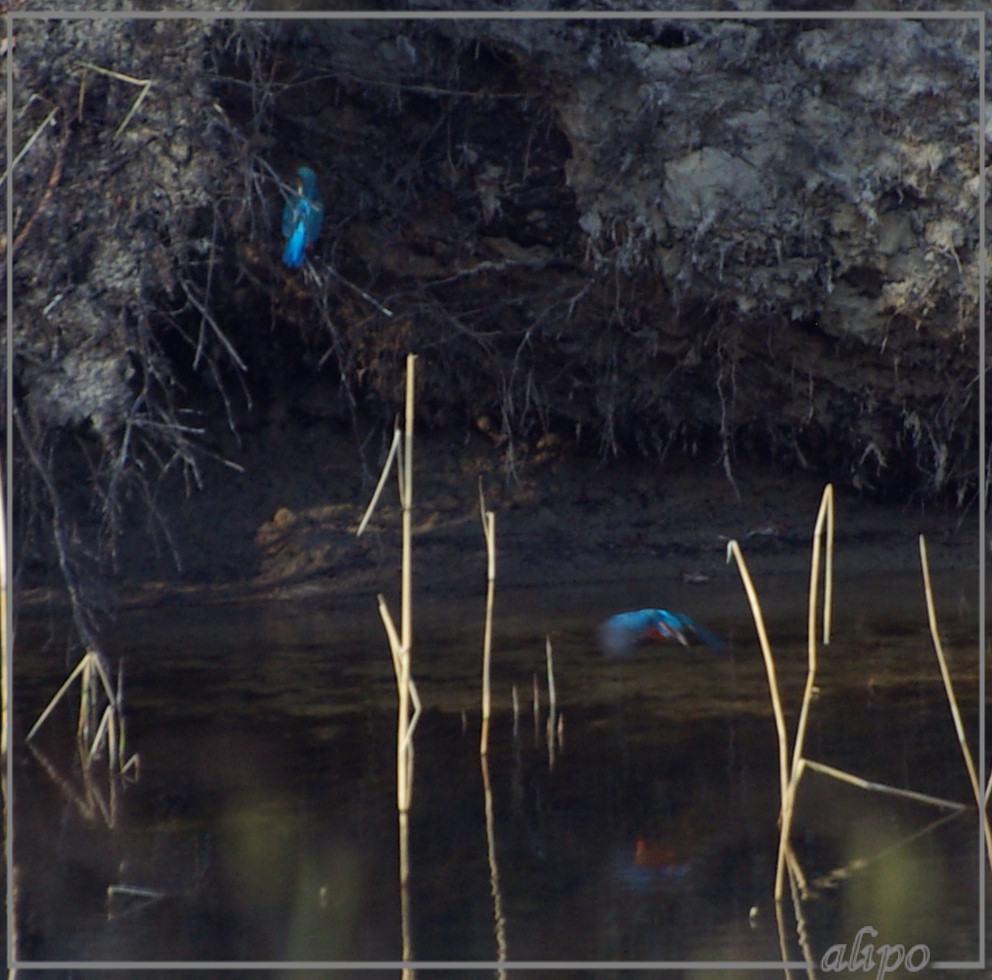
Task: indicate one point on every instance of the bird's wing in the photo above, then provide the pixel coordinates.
(620, 633)
(315, 218)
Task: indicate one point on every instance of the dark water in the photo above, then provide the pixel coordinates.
(264, 821)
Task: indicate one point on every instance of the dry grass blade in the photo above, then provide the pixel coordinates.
(110, 73)
(144, 83)
(134, 108)
(27, 146)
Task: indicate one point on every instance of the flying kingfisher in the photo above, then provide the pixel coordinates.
(620, 633)
(302, 218)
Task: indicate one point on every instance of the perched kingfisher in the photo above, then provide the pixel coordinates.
(620, 633)
(302, 218)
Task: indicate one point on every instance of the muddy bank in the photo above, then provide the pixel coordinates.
(285, 527)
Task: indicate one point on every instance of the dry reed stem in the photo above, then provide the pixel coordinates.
(76, 671)
(797, 884)
(86, 702)
(126, 900)
(952, 698)
(795, 869)
(782, 945)
(93, 664)
(833, 878)
(393, 449)
(110, 728)
(537, 707)
(552, 723)
(734, 551)
(549, 657)
(489, 531)
(827, 502)
(134, 890)
(404, 840)
(91, 803)
(825, 516)
(82, 803)
(400, 646)
(102, 732)
(406, 596)
(406, 610)
(499, 918)
(908, 794)
(396, 650)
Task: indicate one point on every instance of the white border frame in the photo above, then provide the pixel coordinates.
(11, 17)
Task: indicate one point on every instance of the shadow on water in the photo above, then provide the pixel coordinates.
(263, 825)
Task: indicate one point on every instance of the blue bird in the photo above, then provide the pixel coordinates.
(302, 218)
(620, 633)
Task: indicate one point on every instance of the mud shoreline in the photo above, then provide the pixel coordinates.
(284, 527)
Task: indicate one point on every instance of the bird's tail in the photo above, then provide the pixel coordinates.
(296, 247)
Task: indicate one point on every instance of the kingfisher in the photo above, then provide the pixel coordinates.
(620, 633)
(302, 218)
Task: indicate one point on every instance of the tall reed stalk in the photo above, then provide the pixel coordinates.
(489, 532)
(824, 522)
(734, 551)
(400, 647)
(404, 774)
(400, 642)
(952, 700)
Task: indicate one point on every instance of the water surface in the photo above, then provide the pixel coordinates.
(263, 823)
